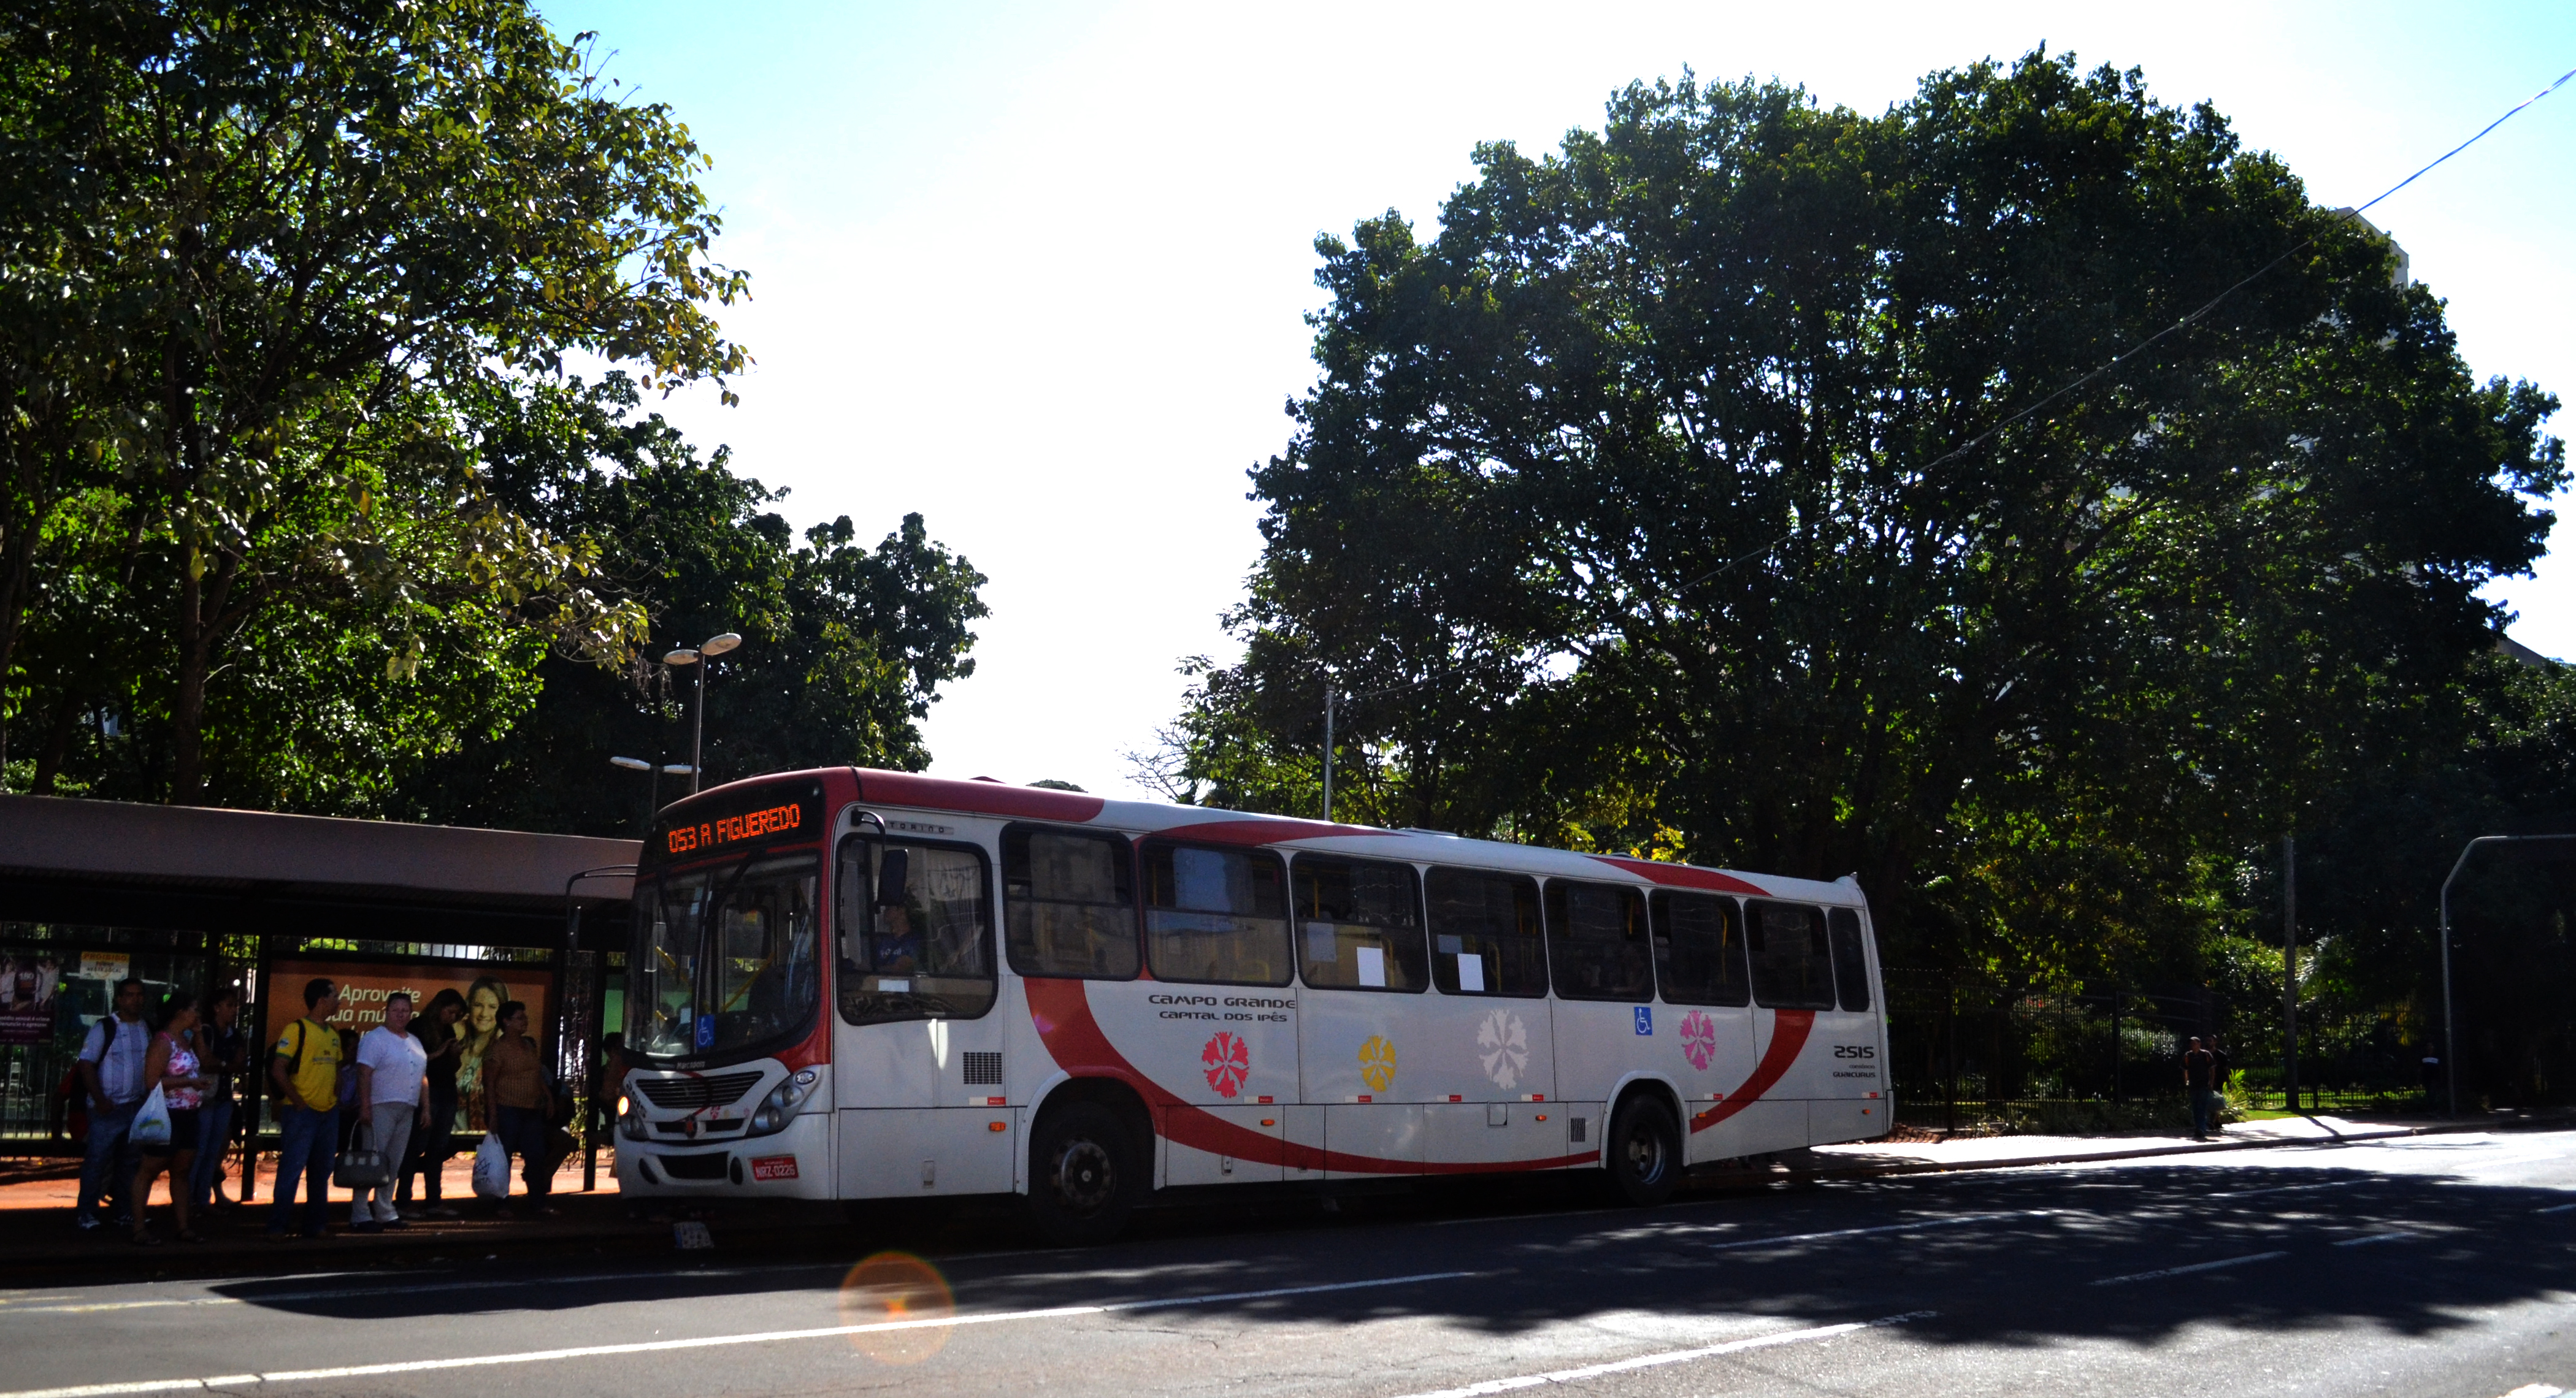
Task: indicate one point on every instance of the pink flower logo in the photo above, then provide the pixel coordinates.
(1229, 1062)
(1699, 1039)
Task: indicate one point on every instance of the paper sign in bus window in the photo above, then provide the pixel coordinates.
(1471, 972)
(1373, 967)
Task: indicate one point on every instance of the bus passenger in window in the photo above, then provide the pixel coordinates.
(897, 950)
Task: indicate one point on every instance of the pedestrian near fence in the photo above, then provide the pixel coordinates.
(111, 1069)
(523, 1107)
(392, 1071)
(223, 1052)
(171, 1065)
(2200, 1077)
(304, 1064)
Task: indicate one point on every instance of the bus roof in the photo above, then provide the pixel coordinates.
(1001, 800)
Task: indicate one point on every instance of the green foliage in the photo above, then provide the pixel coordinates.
(1699, 487)
(295, 242)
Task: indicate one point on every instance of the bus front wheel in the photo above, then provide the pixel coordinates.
(1644, 1152)
(1084, 1175)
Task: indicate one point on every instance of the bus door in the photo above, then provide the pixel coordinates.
(1793, 996)
(1216, 1026)
(1601, 962)
(1850, 1102)
(1707, 990)
(918, 1056)
(1481, 1046)
(1367, 974)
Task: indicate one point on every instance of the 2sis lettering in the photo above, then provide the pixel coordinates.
(1855, 1051)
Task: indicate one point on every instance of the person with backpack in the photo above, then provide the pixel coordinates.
(111, 1068)
(523, 1103)
(304, 1065)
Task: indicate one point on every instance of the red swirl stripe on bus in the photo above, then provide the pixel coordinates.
(1061, 1010)
(1788, 1035)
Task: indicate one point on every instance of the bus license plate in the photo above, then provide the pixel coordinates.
(774, 1167)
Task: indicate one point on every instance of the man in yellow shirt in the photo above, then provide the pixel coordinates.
(304, 1065)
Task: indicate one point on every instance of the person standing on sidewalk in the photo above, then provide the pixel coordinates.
(523, 1108)
(305, 1066)
(435, 1141)
(222, 1053)
(111, 1068)
(393, 1070)
(2199, 1077)
(171, 1065)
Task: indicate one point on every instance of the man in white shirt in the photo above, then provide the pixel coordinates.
(111, 1067)
(393, 1069)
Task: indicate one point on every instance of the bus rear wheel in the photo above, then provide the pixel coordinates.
(1644, 1152)
(1084, 1175)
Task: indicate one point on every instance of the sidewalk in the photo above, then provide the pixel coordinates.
(2000, 1152)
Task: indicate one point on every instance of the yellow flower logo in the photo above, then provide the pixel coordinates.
(1377, 1063)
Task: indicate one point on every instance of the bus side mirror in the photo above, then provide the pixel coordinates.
(894, 876)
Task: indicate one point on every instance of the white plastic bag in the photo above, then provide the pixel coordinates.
(491, 1169)
(151, 1121)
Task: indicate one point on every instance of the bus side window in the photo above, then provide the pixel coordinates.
(1699, 949)
(1215, 916)
(1791, 968)
(1358, 924)
(929, 956)
(1485, 934)
(1596, 942)
(1069, 903)
(1851, 965)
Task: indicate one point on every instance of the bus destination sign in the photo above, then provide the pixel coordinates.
(718, 832)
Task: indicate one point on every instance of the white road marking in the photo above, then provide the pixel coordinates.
(1649, 1361)
(473, 1361)
(1859, 1232)
(345, 1294)
(2275, 1189)
(2374, 1238)
(2555, 1209)
(2535, 1390)
(2133, 1276)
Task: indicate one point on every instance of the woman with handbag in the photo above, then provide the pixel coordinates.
(393, 1069)
(170, 1069)
(523, 1108)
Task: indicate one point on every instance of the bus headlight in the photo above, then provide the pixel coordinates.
(779, 1107)
(631, 1123)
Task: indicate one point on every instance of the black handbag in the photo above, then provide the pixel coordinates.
(362, 1166)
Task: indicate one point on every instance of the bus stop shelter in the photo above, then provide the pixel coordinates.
(199, 899)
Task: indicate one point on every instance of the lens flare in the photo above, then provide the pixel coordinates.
(905, 1295)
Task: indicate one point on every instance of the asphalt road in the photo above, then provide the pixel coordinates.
(2437, 1265)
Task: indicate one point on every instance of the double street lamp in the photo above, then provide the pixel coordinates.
(698, 655)
(653, 793)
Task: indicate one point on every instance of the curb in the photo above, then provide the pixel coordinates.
(1937, 1167)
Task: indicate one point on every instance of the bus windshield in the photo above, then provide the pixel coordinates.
(726, 957)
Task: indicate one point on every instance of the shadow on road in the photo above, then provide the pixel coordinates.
(2002, 1257)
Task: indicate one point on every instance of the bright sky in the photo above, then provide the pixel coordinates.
(1037, 271)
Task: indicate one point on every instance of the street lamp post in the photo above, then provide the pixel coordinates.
(653, 791)
(2450, 1046)
(698, 655)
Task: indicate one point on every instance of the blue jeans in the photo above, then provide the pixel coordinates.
(2204, 1110)
(308, 1144)
(108, 1169)
(214, 1131)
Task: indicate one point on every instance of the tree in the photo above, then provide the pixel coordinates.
(1701, 487)
(333, 226)
(845, 647)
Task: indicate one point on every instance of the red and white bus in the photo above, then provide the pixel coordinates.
(863, 985)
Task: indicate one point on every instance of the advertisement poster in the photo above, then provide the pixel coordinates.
(28, 981)
(365, 985)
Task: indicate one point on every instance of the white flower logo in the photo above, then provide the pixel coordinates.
(1504, 1044)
